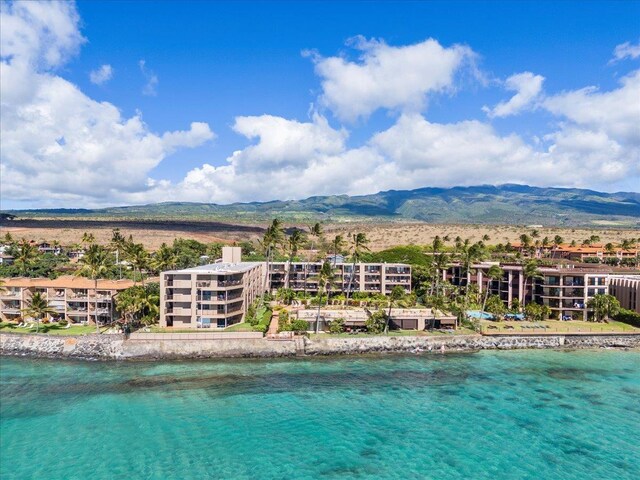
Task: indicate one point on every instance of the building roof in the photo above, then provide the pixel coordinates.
(220, 268)
(68, 281)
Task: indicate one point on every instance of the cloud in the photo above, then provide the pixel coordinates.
(625, 50)
(101, 75)
(59, 146)
(40, 35)
(151, 87)
(615, 113)
(394, 78)
(528, 87)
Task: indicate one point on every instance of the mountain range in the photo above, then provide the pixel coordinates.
(502, 204)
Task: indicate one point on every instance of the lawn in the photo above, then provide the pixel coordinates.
(394, 333)
(49, 328)
(240, 327)
(556, 326)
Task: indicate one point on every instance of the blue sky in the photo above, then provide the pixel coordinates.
(216, 62)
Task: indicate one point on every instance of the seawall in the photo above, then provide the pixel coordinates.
(117, 347)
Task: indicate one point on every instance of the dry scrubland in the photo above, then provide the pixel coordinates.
(381, 235)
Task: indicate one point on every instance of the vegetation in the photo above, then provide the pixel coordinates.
(38, 308)
(604, 307)
(140, 305)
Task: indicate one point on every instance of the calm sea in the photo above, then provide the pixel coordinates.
(488, 415)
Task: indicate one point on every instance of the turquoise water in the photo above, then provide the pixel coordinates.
(489, 415)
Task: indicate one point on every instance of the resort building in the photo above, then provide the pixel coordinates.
(626, 288)
(580, 253)
(218, 295)
(565, 289)
(354, 319)
(210, 296)
(365, 277)
(75, 299)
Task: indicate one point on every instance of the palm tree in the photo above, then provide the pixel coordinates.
(164, 258)
(396, 294)
(118, 244)
(37, 308)
(358, 247)
(316, 232)
(494, 273)
(557, 241)
(338, 244)
(94, 264)
(273, 236)
(138, 257)
(325, 279)
(529, 271)
(437, 244)
(88, 238)
(26, 255)
(604, 307)
(440, 262)
(296, 241)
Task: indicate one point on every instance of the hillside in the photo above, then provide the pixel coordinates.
(504, 204)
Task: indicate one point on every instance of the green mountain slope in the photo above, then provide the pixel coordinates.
(504, 204)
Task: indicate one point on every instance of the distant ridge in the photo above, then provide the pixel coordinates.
(487, 204)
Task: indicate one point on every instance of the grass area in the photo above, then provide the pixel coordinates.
(556, 326)
(240, 327)
(395, 333)
(49, 328)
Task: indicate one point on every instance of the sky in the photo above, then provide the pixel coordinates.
(120, 103)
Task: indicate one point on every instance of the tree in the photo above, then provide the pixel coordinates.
(272, 238)
(37, 308)
(26, 255)
(375, 323)
(88, 238)
(315, 231)
(140, 303)
(604, 307)
(537, 312)
(530, 271)
(495, 306)
(358, 247)
(397, 293)
(94, 264)
(164, 258)
(138, 257)
(338, 244)
(337, 325)
(286, 295)
(325, 279)
(295, 242)
(494, 273)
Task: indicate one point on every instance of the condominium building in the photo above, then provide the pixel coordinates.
(219, 294)
(209, 296)
(565, 289)
(364, 277)
(75, 299)
(626, 288)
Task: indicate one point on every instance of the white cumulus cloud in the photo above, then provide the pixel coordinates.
(101, 75)
(387, 77)
(151, 87)
(527, 87)
(59, 146)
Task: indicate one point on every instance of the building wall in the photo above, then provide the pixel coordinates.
(626, 288)
(367, 277)
(77, 305)
(206, 299)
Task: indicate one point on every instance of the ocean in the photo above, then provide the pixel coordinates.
(532, 414)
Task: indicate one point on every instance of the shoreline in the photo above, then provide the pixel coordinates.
(115, 347)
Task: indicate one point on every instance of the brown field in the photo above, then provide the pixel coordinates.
(382, 235)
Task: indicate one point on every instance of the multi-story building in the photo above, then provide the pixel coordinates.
(565, 289)
(219, 294)
(75, 299)
(365, 277)
(209, 296)
(626, 288)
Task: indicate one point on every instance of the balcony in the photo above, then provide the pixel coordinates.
(182, 311)
(178, 297)
(10, 294)
(183, 283)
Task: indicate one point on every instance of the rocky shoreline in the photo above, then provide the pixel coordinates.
(118, 347)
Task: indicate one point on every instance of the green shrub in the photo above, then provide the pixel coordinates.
(628, 316)
(376, 322)
(336, 326)
(299, 325)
